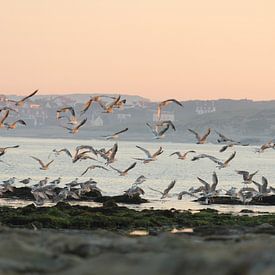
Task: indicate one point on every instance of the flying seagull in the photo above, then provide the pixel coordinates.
(268, 145)
(64, 150)
(221, 164)
(115, 135)
(14, 124)
(109, 108)
(124, 172)
(150, 157)
(109, 156)
(164, 103)
(231, 144)
(158, 133)
(93, 167)
(89, 103)
(44, 166)
(262, 188)
(20, 103)
(3, 118)
(222, 138)
(166, 190)
(75, 129)
(201, 140)
(247, 177)
(72, 118)
(207, 188)
(182, 156)
(4, 149)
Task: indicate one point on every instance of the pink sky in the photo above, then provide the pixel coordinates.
(201, 49)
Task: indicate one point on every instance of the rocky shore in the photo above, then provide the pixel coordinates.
(66, 239)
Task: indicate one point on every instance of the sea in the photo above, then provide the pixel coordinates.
(18, 163)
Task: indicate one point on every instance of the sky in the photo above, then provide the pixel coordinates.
(153, 48)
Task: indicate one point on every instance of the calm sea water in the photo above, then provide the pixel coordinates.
(159, 173)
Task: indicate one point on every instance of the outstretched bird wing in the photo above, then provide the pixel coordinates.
(148, 154)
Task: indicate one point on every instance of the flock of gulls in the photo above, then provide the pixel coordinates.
(104, 158)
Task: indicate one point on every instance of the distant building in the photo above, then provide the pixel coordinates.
(205, 108)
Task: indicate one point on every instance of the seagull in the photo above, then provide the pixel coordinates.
(89, 103)
(109, 108)
(232, 192)
(42, 182)
(4, 149)
(120, 104)
(134, 190)
(140, 180)
(72, 118)
(110, 155)
(26, 181)
(82, 156)
(262, 188)
(42, 164)
(182, 193)
(201, 140)
(167, 190)
(66, 193)
(75, 129)
(221, 164)
(56, 181)
(73, 183)
(64, 150)
(207, 188)
(182, 156)
(10, 181)
(268, 145)
(93, 167)
(14, 124)
(231, 144)
(124, 172)
(222, 138)
(247, 177)
(200, 156)
(3, 118)
(165, 103)
(150, 157)
(87, 147)
(115, 135)
(6, 108)
(246, 194)
(159, 133)
(165, 122)
(20, 103)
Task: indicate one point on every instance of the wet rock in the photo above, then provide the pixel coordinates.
(136, 199)
(220, 200)
(23, 193)
(246, 211)
(263, 200)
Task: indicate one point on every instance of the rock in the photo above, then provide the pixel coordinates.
(122, 199)
(246, 211)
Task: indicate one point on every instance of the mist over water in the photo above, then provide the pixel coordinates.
(159, 173)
